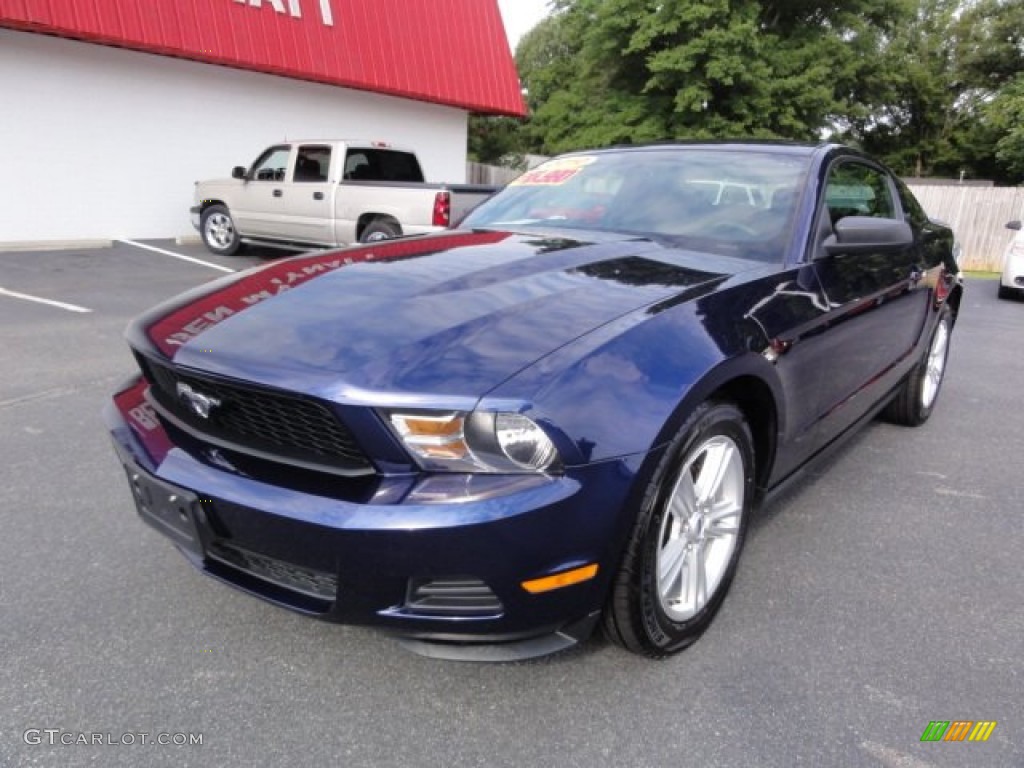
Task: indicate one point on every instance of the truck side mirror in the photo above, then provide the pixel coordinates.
(238, 172)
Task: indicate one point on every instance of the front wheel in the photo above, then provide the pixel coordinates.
(218, 231)
(915, 400)
(686, 543)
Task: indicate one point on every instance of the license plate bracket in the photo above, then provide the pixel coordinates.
(171, 510)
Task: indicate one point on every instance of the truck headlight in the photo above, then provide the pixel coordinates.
(474, 442)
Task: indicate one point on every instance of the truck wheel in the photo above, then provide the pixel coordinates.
(379, 229)
(218, 231)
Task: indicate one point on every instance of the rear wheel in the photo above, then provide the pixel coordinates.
(914, 402)
(683, 552)
(218, 231)
(379, 229)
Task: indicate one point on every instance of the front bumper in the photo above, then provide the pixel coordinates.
(195, 213)
(440, 560)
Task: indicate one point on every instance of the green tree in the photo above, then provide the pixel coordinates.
(1005, 113)
(991, 69)
(911, 123)
(931, 86)
(938, 110)
(601, 72)
(496, 140)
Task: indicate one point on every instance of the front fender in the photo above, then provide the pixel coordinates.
(625, 388)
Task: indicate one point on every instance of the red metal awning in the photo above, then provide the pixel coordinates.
(451, 52)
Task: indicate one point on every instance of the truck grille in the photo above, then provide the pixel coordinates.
(259, 421)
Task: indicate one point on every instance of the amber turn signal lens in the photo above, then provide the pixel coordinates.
(559, 580)
(426, 426)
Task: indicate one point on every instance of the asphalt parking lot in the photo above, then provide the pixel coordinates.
(881, 593)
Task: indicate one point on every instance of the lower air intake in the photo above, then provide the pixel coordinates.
(303, 580)
(459, 596)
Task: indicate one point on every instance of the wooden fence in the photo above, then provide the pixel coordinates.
(978, 216)
(494, 175)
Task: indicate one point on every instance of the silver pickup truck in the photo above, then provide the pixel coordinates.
(316, 194)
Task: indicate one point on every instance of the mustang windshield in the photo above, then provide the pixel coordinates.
(719, 200)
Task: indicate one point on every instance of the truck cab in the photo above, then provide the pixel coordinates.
(325, 193)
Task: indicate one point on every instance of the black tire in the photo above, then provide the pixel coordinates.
(639, 615)
(218, 231)
(380, 229)
(1004, 292)
(917, 396)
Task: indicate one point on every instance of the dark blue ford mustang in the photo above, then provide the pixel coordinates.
(565, 412)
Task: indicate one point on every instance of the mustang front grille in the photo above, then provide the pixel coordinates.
(255, 420)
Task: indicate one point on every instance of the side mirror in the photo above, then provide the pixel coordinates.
(1013, 225)
(866, 234)
(238, 172)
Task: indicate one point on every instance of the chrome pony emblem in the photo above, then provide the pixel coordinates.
(200, 404)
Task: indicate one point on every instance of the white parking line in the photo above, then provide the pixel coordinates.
(51, 302)
(181, 256)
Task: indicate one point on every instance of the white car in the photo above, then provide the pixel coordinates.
(1012, 281)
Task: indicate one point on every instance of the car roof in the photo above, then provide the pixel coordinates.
(736, 145)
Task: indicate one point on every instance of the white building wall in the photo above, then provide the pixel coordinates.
(105, 143)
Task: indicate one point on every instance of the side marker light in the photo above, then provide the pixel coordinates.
(559, 580)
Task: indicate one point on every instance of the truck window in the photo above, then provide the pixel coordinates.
(312, 163)
(271, 165)
(382, 165)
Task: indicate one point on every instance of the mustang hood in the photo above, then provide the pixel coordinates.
(456, 314)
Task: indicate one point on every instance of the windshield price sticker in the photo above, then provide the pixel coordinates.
(553, 173)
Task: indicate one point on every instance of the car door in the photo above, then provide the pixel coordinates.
(306, 202)
(258, 207)
(876, 298)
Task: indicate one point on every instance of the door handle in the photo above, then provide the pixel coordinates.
(278, 193)
(318, 195)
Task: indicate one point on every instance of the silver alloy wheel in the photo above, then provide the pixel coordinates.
(700, 528)
(375, 237)
(220, 230)
(935, 365)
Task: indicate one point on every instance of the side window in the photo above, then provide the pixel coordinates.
(858, 190)
(312, 163)
(271, 165)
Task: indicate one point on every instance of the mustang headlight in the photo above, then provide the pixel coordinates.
(474, 442)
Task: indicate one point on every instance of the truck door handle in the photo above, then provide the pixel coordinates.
(318, 195)
(278, 193)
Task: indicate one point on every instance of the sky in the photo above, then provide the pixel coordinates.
(520, 16)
